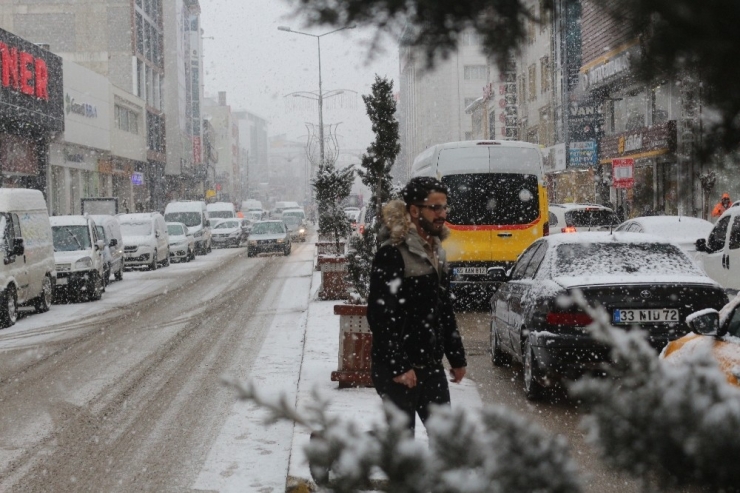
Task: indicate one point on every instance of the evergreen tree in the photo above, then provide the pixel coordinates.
(376, 175)
(332, 186)
(676, 36)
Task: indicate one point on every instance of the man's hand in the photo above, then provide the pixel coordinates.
(408, 379)
(457, 374)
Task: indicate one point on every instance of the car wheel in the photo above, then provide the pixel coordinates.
(208, 248)
(106, 275)
(166, 261)
(43, 302)
(119, 274)
(9, 314)
(249, 253)
(154, 264)
(532, 388)
(498, 356)
(95, 288)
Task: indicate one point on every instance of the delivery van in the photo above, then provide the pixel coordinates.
(194, 215)
(27, 273)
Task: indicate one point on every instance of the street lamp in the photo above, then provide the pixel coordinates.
(321, 95)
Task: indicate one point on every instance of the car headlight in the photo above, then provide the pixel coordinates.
(301, 230)
(280, 240)
(84, 263)
(252, 243)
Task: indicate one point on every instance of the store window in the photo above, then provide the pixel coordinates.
(629, 112)
(663, 105)
(532, 75)
(475, 72)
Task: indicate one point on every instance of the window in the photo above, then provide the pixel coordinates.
(545, 73)
(534, 264)
(735, 234)
(661, 104)
(629, 112)
(475, 72)
(716, 240)
(469, 38)
(522, 263)
(553, 219)
(532, 76)
(522, 88)
(126, 120)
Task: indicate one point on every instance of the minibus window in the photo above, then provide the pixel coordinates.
(492, 199)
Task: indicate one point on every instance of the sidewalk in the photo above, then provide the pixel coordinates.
(320, 358)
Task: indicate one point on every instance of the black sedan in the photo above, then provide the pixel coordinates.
(641, 280)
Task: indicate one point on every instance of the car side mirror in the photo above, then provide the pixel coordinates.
(497, 274)
(704, 322)
(18, 246)
(701, 245)
(156, 234)
(208, 223)
(113, 242)
(99, 245)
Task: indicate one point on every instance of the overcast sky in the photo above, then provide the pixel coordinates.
(257, 65)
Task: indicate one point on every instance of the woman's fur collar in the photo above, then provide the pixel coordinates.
(398, 222)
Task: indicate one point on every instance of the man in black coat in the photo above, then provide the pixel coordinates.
(409, 305)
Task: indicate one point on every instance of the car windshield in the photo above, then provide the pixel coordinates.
(227, 225)
(175, 230)
(101, 232)
(220, 214)
(70, 238)
(585, 218)
(268, 229)
(291, 220)
(136, 229)
(189, 219)
(298, 215)
(594, 259)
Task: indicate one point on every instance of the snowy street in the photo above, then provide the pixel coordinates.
(125, 393)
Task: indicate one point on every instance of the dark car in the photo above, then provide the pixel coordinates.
(641, 280)
(269, 237)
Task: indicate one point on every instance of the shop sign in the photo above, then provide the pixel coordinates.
(610, 69)
(137, 178)
(197, 150)
(643, 143)
(623, 173)
(585, 119)
(83, 109)
(554, 158)
(582, 154)
(30, 83)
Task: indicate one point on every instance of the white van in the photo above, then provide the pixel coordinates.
(221, 210)
(109, 230)
(27, 272)
(252, 205)
(194, 215)
(719, 253)
(145, 240)
(78, 253)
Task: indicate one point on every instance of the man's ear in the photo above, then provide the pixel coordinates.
(414, 211)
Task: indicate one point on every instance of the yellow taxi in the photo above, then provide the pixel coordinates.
(717, 331)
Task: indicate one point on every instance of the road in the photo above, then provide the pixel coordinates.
(125, 394)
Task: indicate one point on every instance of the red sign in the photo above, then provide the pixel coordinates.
(623, 173)
(218, 187)
(23, 72)
(196, 150)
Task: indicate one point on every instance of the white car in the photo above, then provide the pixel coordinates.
(576, 218)
(182, 242)
(145, 240)
(228, 232)
(719, 251)
(78, 254)
(109, 230)
(681, 230)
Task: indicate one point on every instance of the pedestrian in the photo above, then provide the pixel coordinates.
(409, 304)
(722, 205)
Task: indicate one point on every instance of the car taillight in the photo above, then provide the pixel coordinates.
(569, 319)
(568, 229)
(362, 229)
(546, 229)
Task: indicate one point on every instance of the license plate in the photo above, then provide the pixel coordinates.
(645, 315)
(471, 271)
(62, 281)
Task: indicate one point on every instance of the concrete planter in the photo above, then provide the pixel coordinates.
(333, 278)
(330, 247)
(355, 346)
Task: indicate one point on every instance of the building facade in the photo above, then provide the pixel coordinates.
(225, 144)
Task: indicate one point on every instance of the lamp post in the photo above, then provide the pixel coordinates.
(321, 94)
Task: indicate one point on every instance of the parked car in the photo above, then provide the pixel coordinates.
(221, 210)
(681, 230)
(268, 237)
(194, 215)
(254, 215)
(641, 280)
(109, 230)
(182, 242)
(719, 252)
(228, 232)
(246, 224)
(296, 227)
(145, 240)
(572, 218)
(78, 254)
(27, 270)
(715, 331)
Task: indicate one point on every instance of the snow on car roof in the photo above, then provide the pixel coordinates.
(675, 226)
(68, 220)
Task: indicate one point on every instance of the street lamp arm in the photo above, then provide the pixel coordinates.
(289, 30)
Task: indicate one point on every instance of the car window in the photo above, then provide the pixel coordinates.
(733, 328)
(534, 264)
(735, 233)
(521, 264)
(716, 240)
(553, 219)
(101, 232)
(591, 217)
(174, 229)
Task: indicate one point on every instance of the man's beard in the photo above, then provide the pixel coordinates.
(429, 227)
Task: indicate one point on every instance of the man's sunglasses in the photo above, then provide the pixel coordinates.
(434, 208)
